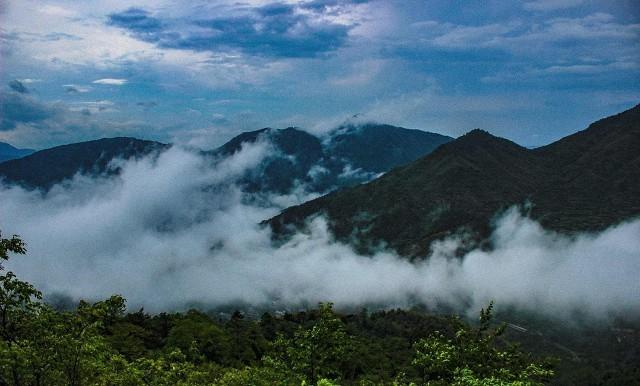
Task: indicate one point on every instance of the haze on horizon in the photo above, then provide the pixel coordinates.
(197, 74)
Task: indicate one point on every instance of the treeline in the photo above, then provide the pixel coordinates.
(101, 344)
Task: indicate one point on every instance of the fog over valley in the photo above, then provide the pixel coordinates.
(319, 193)
(175, 230)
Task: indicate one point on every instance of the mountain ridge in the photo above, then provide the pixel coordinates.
(9, 152)
(584, 182)
(45, 168)
(299, 158)
(347, 156)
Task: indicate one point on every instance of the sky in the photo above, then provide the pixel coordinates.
(199, 72)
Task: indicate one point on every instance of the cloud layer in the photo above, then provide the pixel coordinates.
(174, 232)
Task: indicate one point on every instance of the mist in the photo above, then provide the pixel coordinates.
(175, 231)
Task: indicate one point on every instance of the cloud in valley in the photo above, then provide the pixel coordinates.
(176, 231)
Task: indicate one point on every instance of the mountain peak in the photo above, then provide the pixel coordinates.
(478, 135)
(480, 139)
(479, 132)
(587, 181)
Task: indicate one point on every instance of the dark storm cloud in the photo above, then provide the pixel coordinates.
(274, 30)
(135, 19)
(17, 86)
(18, 108)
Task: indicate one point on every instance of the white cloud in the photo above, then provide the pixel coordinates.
(29, 80)
(591, 68)
(111, 81)
(55, 10)
(176, 231)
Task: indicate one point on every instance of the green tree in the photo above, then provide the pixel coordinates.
(316, 352)
(13, 245)
(473, 357)
(200, 338)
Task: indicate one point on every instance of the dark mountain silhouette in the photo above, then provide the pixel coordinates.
(596, 175)
(380, 148)
(45, 168)
(8, 152)
(295, 157)
(586, 181)
(350, 155)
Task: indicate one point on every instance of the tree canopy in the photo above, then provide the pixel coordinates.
(99, 343)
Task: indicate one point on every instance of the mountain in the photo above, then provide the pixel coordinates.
(586, 181)
(347, 156)
(379, 148)
(45, 168)
(598, 183)
(296, 152)
(8, 152)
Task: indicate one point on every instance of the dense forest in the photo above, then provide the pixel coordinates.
(100, 344)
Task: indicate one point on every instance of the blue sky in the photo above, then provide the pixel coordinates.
(199, 72)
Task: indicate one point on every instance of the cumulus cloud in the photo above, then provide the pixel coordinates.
(111, 81)
(275, 30)
(175, 231)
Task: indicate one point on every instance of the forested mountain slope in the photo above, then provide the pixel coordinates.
(586, 181)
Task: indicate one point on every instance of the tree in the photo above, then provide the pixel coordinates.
(472, 357)
(14, 244)
(199, 337)
(317, 352)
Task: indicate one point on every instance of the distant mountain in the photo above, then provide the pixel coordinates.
(8, 152)
(349, 155)
(380, 148)
(45, 168)
(296, 152)
(586, 181)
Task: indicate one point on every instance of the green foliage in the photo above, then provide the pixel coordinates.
(316, 352)
(472, 357)
(14, 244)
(199, 337)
